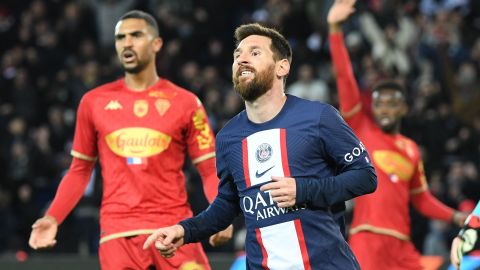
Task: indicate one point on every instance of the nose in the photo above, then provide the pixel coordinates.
(128, 42)
(242, 58)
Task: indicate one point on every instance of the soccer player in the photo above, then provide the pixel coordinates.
(380, 230)
(140, 128)
(465, 250)
(284, 162)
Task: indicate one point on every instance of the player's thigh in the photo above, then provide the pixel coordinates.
(408, 257)
(187, 257)
(370, 250)
(124, 254)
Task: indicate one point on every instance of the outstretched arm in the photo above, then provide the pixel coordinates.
(69, 192)
(349, 94)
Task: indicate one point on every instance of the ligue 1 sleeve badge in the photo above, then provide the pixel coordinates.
(264, 152)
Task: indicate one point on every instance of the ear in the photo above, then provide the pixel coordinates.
(157, 44)
(404, 109)
(283, 68)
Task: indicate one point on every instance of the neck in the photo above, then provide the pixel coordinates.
(142, 80)
(266, 107)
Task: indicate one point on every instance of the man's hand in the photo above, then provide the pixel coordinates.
(222, 237)
(340, 11)
(43, 233)
(283, 191)
(459, 218)
(167, 240)
(454, 252)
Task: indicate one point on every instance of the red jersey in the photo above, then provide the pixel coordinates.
(141, 139)
(396, 159)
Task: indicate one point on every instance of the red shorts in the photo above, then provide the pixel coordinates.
(127, 253)
(378, 251)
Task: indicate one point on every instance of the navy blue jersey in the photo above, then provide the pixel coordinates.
(310, 142)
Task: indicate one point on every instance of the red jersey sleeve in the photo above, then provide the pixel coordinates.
(201, 148)
(85, 140)
(71, 189)
(423, 200)
(199, 136)
(348, 91)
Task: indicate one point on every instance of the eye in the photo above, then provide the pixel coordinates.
(255, 52)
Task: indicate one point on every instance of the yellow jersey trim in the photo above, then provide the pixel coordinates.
(125, 234)
(377, 230)
(204, 157)
(352, 112)
(82, 156)
(419, 190)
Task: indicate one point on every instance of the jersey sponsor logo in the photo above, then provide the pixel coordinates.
(140, 108)
(191, 266)
(137, 142)
(162, 106)
(258, 175)
(113, 105)
(394, 164)
(262, 206)
(161, 94)
(356, 152)
(264, 152)
(205, 137)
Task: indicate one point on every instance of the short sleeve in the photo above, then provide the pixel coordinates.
(85, 140)
(199, 136)
(418, 183)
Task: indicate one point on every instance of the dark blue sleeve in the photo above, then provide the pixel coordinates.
(355, 174)
(221, 212)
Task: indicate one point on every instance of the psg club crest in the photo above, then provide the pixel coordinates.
(264, 152)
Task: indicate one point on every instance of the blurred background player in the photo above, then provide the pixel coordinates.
(465, 250)
(139, 127)
(380, 230)
(285, 162)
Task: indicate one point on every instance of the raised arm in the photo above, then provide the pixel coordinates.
(348, 91)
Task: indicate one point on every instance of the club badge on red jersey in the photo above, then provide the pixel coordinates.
(140, 108)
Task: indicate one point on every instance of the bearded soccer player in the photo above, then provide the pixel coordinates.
(284, 162)
(380, 230)
(140, 128)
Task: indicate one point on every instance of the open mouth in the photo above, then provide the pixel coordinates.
(129, 56)
(245, 73)
(385, 121)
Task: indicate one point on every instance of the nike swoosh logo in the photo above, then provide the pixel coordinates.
(258, 175)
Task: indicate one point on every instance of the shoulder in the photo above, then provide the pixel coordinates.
(182, 95)
(103, 89)
(411, 147)
(233, 126)
(315, 110)
(304, 105)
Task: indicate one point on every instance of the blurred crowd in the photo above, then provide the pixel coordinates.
(53, 51)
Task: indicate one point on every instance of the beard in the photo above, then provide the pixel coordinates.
(390, 128)
(136, 68)
(250, 91)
